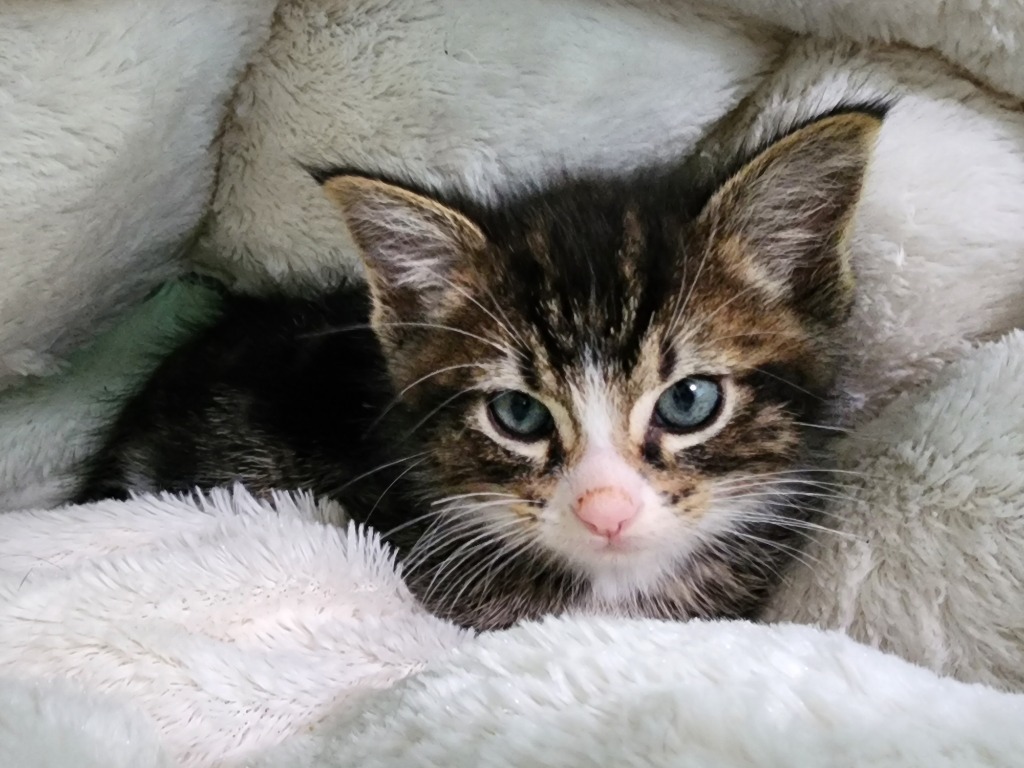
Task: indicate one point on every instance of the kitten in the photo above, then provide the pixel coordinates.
(607, 395)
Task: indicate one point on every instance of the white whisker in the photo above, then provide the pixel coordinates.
(419, 424)
(377, 469)
(398, 398)
(433, 326)
(788, 494)
(391, 485)
(456, 497)
(505, 328)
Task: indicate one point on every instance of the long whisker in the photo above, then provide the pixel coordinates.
(466, 520)
(408, 523)
(443, 531)
(398, 398)
(846, 432)
(731, 548)
(781, 521)
(680, 307)
(409, 324)
(449, 563)
(788, 494)
(499, 562)
(506, 329)
(797, 554)
(706, 319)
(458, 496)
(508, 497)
(453, 520)
(802, 471)
(488, 505)
(508, 323)
(526, 542)
(784, 482)
(789, 383)
(419, 424)
(377, 469)
(391, 485)
(488, 564)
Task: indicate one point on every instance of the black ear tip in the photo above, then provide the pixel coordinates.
(877, 109)
(322, 174)
(864, 116)
(319, 175)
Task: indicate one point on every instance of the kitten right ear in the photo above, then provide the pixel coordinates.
(413, 247)
(783, 218)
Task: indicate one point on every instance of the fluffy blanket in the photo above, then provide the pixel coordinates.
(219, 632)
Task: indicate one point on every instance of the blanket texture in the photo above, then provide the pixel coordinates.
(108, 112)
(227, 633)
(222, 632)
(927, 559)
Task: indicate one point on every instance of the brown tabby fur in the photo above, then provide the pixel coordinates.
(617, 287)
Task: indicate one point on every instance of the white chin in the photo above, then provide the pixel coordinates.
(619, 573)
(619, 577)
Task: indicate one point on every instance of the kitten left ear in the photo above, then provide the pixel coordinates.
(412, 246)
(783, 219)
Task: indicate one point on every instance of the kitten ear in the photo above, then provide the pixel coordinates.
(783, 218)
(412, 246)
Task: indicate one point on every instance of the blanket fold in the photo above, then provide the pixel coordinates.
(223, 631)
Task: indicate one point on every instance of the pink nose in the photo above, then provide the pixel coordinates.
(606, 511)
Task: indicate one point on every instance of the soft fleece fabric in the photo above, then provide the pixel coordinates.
(221, 631)
(161, 632)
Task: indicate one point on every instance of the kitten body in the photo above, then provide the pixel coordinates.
(607, 395)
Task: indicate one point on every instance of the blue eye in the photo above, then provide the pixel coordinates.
(688, 404)
(520, 416)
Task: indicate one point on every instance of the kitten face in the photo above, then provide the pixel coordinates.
(615, 383)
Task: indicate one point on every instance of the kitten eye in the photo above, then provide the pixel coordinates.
(520, 416)
(688, 404)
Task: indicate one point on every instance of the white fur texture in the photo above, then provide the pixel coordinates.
(981, 36)
(582, 693)
(194, 635)
(53, 724)
(466, 94)
(228, 632)
(108, 113)
(230, 626)
(929, 559)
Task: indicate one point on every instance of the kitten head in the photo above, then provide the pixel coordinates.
(620, 382)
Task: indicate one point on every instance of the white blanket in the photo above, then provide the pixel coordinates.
(223, 632)
(164, 633)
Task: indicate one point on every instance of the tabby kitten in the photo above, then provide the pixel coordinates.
(603, 396)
